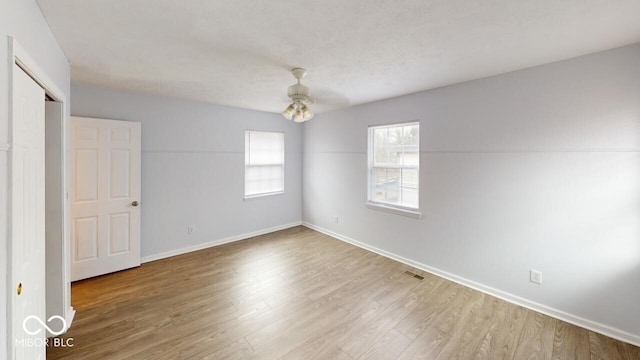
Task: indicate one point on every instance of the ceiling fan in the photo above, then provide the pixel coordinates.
(298, 110)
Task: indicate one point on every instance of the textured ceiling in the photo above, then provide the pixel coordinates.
(238, 53)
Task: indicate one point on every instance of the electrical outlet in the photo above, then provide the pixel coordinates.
(535, 276)
(191, 229)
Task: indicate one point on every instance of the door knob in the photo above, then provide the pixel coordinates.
(135, 203)
(19, 291)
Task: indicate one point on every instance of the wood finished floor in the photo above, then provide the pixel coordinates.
(298, 294)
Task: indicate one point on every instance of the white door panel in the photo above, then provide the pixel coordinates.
(105, 183)
(28, 215)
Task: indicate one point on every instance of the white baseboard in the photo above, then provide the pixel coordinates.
(514, 299)
(209, 244)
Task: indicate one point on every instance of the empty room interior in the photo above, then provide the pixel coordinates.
(417, 179)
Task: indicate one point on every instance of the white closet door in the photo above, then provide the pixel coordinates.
(27, 218)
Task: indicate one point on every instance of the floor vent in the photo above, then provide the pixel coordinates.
(419, 277)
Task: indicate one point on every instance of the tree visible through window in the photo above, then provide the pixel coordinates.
(394, 160)
(264, 163)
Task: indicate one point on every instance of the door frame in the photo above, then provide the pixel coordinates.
(20, 57)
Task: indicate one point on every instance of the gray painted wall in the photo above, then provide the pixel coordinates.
(22, 20)
(535, 169)
(193, 167)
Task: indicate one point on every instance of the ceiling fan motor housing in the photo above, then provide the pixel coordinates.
(298, 93)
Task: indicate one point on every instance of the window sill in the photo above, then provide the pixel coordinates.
(257, 196)
(416, 214)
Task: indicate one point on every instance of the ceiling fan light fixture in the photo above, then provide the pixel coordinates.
(298, 117)
(306, 113)
(288, 112)
(299, 94)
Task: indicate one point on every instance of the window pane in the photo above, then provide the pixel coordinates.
(410, 142)
(266, 148)
(386, 185)
(409, 188)
(380, 144)
(411, 159)
(264, 162)
(394, 167)
(264, 179)
(410, 135)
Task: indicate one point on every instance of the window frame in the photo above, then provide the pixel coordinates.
(247, 156)
(394, 208)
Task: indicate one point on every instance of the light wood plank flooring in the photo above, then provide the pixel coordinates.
(298, 294)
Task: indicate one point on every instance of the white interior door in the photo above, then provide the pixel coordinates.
(27, 217)
(105, 196)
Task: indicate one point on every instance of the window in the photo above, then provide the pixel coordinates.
(263, 163)
(394, 160)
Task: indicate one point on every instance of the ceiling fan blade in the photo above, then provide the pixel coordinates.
(328, 97)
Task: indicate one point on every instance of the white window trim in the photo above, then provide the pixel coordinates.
(382, 206)
(256, 196)
(394, 209)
